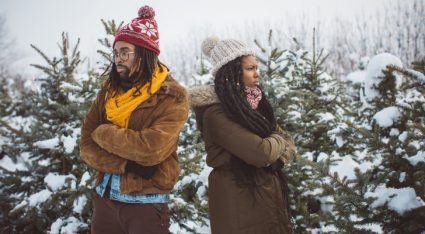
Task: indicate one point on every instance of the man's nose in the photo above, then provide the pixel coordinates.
(118, 60)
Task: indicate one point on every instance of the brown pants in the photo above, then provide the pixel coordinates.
(116, 217)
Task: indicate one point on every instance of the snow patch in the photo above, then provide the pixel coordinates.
(39, 197)
(48, 144)
(67, 226)
(79, 204)
(374, 73)
(403, 136)
(394, 132)
(7, 163)
(84, 178)
(418, 75)
(399, 200)
(56, 182)
(325, 117)
(387, 116)
(356, 77)
(337, 133)
(69, 143)
(418, 158)
(345, 167)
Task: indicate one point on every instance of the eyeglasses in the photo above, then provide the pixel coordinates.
(123, 55)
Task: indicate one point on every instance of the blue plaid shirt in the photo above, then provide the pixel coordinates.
(116, 194)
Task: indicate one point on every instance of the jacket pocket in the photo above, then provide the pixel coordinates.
(133, 184)
(167, 174)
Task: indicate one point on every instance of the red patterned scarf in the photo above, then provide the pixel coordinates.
(253, 95)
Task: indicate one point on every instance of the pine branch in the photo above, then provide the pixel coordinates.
(64, 48)
(8, 127)
(46, 70)
(259, 46)
(419, 65)
(317, 168)
(42, 55)
(408, 73)
(75, 51)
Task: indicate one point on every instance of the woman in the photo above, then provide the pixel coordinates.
(244, 145)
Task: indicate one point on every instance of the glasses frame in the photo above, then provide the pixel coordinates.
(120, 55)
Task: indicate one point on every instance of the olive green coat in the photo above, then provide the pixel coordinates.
(234, 209)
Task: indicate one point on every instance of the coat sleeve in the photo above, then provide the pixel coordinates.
(290, 148)
(151, 145)
(91, 153)
(241, 142)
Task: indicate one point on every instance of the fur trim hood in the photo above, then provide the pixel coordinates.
(202, 96)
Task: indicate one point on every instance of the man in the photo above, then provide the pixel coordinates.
(130, 134)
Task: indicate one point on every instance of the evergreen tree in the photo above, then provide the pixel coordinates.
(50, 191)
(394, 189)
(6, 99)
(386, 192)
(189, 207)
(311, 106)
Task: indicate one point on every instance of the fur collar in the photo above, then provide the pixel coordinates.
(173, 88)
(202, 96)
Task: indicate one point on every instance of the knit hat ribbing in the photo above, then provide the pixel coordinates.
(141, 31)
(220, 52)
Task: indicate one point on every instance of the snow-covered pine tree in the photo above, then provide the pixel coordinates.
(7, 135)
(354, 82)
(189, 207)
(394, 191)
(49, 190)
(110, 28)
(6, 99)
(311, 105)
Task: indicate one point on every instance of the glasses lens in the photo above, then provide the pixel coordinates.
(124, 55)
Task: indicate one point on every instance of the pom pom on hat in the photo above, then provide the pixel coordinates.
(208, 44)
(141, 31)
(146, 12)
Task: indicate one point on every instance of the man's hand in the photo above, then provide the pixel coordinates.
(146, 172)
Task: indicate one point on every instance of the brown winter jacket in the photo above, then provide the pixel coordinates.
(151, 139)
(235, 209)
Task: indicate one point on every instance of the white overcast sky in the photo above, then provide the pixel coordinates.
(40, 22)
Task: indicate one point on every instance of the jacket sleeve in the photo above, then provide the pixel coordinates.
(92, 154)
(241, 142)
(290, 149)
(151, 145)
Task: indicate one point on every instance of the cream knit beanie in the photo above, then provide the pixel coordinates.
(219, 52)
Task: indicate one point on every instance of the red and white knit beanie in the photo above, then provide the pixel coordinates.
(141, 31)
(219, 52)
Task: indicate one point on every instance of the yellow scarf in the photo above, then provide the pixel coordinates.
(120, 107)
